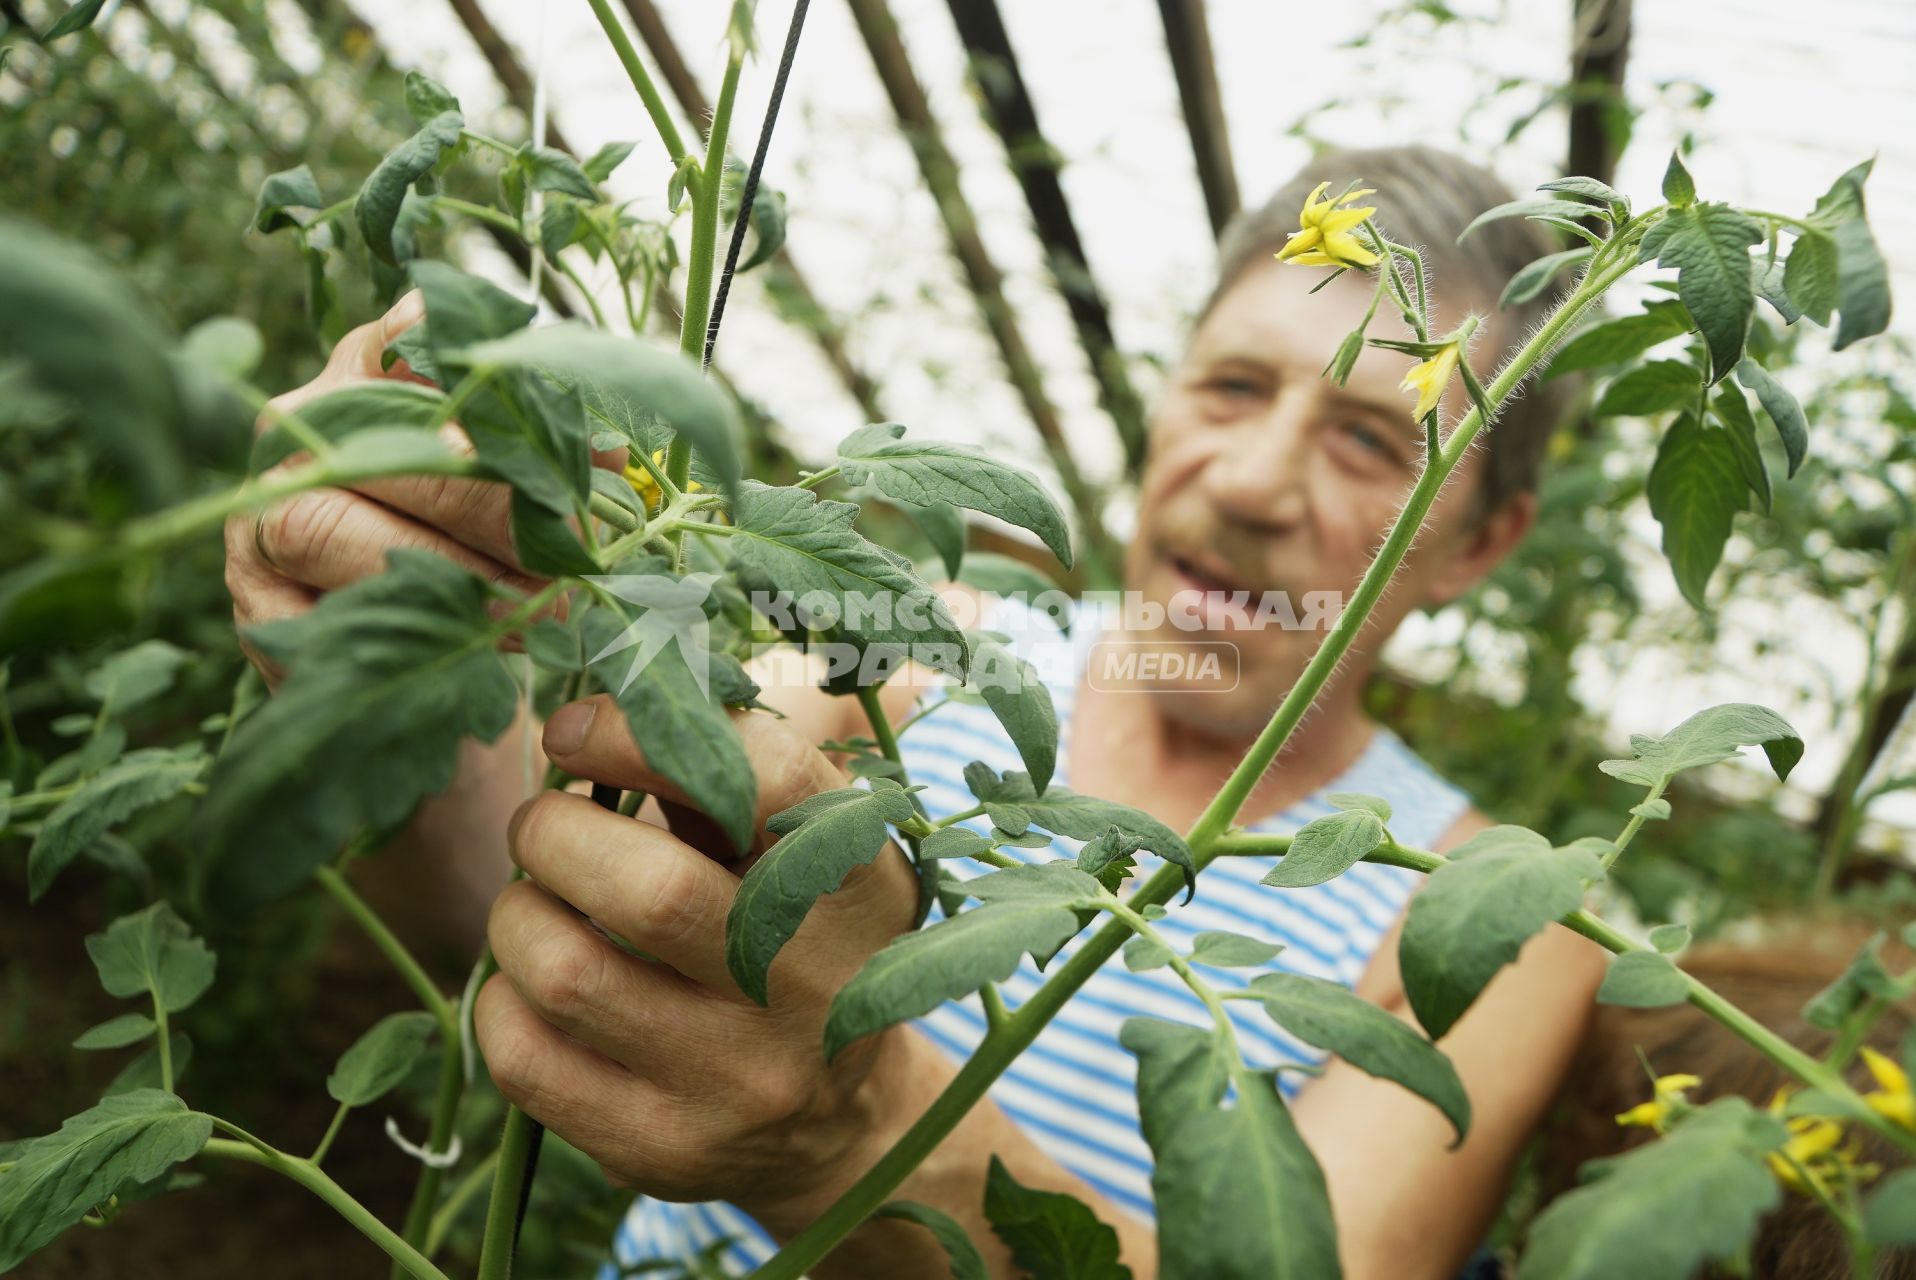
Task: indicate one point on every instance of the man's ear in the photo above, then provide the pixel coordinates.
(1482, 547)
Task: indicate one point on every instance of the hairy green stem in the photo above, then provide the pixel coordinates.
(314, 1179)
(445, 1118)
(1631, 828)
(641, 79)
(502, 1208)
(1001, 1046)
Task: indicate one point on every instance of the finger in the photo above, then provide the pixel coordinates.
(362, 351)
(591, 739)
(655, 891)
(633, 1012)
(477, 513)
(572, 1089)
(330, 538)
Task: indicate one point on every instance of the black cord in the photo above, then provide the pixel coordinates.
(750, 190)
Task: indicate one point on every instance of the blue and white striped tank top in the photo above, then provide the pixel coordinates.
(1074, 1090)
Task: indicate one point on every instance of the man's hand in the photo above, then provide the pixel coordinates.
(659, 1068)
(279, 561)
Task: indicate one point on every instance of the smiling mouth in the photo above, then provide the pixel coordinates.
(1204, 577)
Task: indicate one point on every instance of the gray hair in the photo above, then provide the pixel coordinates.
(1425, 198)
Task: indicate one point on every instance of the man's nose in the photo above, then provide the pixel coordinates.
(1260, 475)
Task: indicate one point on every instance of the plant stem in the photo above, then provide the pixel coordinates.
(1631, 828)
(641, 79)
(314, 1179)
(1000, 1047)
(445, 1118)
(498, 218)
(448, 1213)
(392, 948)
(332, 1132)
(165, 1042)
(502, 1208)
(704, 251)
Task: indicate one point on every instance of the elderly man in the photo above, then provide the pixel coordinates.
(1262, 478)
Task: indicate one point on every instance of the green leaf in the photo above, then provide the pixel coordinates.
(462, 309)
(1332, 1017)
(549, 169)
(686, 731)
(626, 385)
(134, 677)
(426, 98)
(85, 338)
(137, 781)
(1709, 245)
(600, 164)
(953, 842)
(1143, 953)
(1678, 187)
(1224, 1177)
(821, 841)
(1739, 426)
(117, 1033)
(1862, 285)
(1528, 209)
(1107, 857)
(944, 528)
(77, 18)
(791, 544)
(545, 542)
(1792, 428)
(767, 223)
(144, 1071)
(1497, 889)
(1696, 487)
(1863, 980)
(153, 953)
(380, 1059)
(339, 414)
(1656, 387)
(226, 347)
(1026, 909)
(1050, 1234)
(1766, 273)
(1642, 980)
(966, 1262)
(1590, 189)
(1326, 848)
(128, 1139)
(1222, 949)
(1359, 800)
(1810, 275)
(1020, 700)
(1534, 278)
(930, 473)
(1709, 736)
(1670, 938)
(1622, 339)
(1067, 813)
(377, 208)
(386, 678)
(1889, 1213)
(1003, 576)
(289, 189)
(1707, 1174)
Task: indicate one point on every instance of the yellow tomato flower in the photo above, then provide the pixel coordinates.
(648, 488)
(1655, 1113)
(1810, 1158)
(1325, 235)
(1430, 377)
(1893, 1101)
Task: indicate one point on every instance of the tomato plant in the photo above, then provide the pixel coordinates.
(385, 679)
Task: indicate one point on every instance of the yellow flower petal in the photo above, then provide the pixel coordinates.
(1344, 248)
(1646, 1115)
(1344, 219)
(1429, 379)
(1676, 1082)
(1889, 1076)
(1300, 242)
(1359, 194)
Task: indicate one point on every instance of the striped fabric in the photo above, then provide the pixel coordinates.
(1073, 1091)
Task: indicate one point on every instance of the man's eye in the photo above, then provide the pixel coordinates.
(1370, 438)
(1236, 386)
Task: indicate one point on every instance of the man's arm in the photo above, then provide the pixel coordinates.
(1407, 1208)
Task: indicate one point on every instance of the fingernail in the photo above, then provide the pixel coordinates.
(565, 732)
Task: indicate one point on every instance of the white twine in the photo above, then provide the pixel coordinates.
(535, 200)
(432, 1160)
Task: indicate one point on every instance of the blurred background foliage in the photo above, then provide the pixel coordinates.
(149, 137)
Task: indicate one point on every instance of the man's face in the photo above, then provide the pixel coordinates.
(1264, 477)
